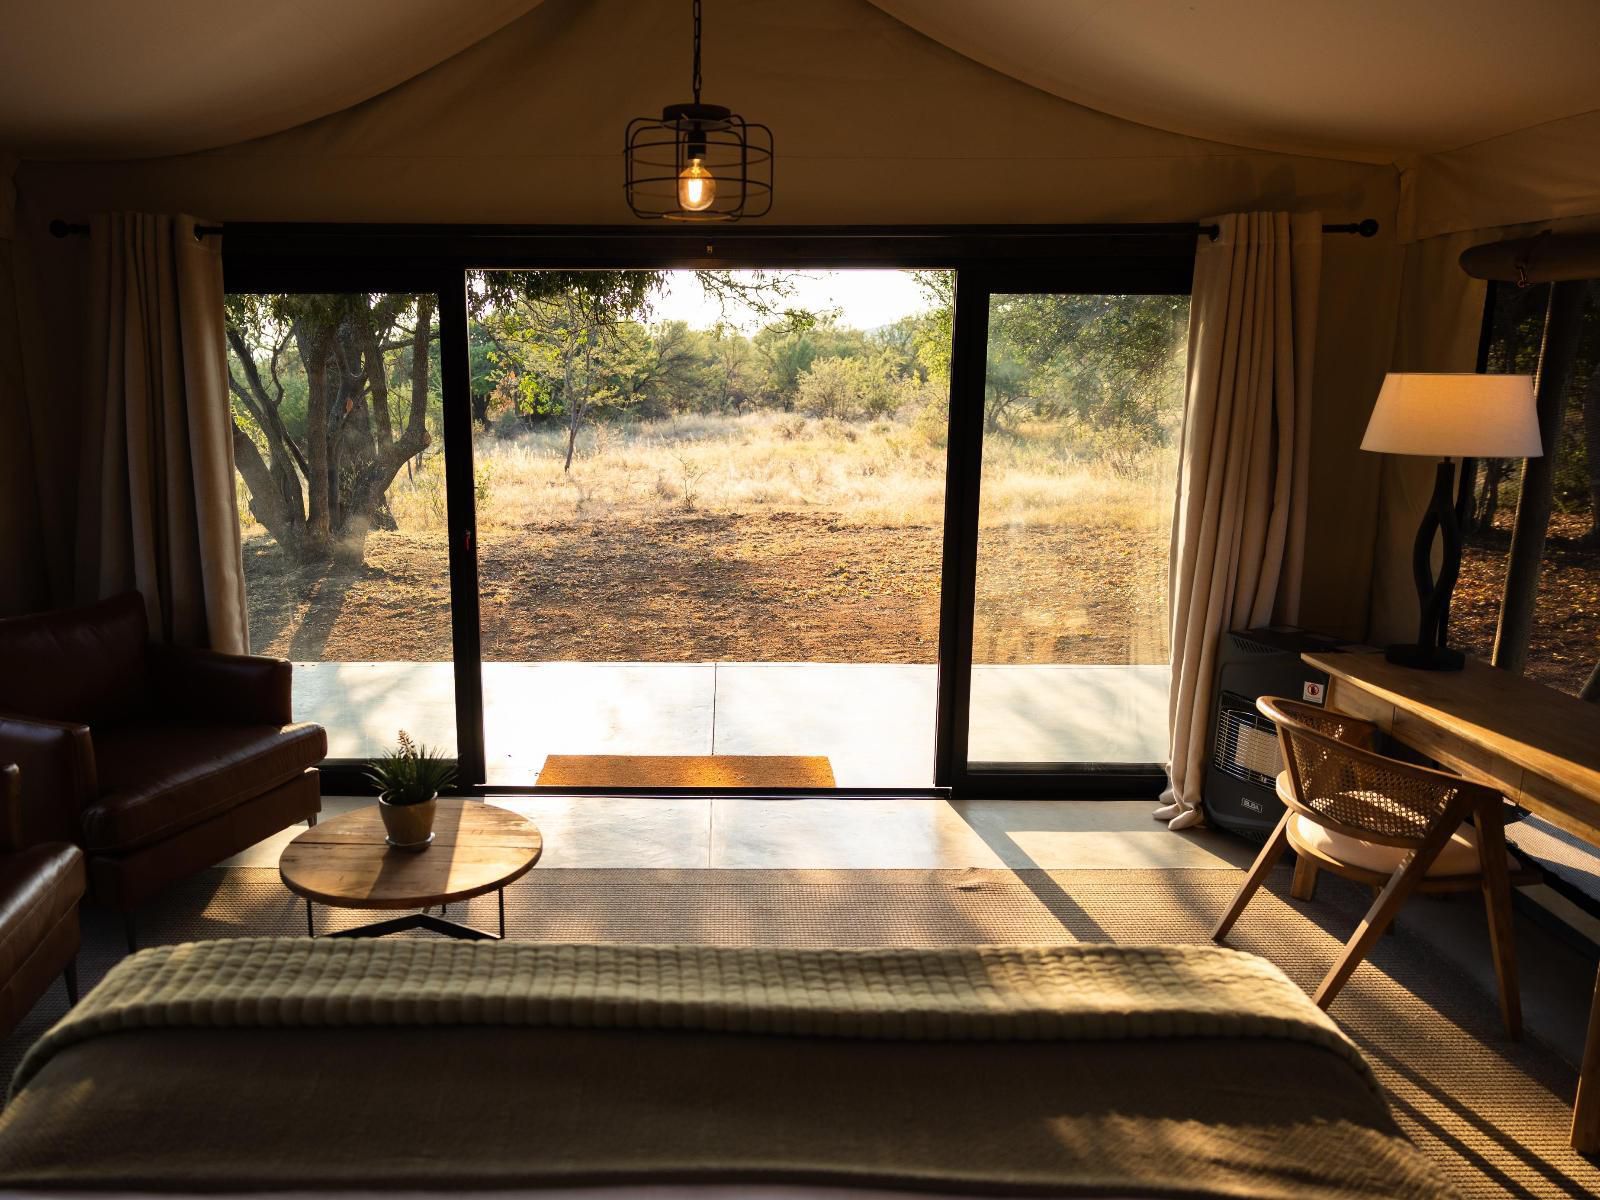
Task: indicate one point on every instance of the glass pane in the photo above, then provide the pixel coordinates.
(340, 454)
(1082, 408)
(1565, 641)
(710, 514)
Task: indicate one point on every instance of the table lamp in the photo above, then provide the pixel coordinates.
(1448, 417)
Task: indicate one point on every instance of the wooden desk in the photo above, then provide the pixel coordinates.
(1538, 746)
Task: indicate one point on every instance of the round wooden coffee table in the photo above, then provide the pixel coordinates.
(345, 862)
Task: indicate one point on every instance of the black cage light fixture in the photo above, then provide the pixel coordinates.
(698, 162)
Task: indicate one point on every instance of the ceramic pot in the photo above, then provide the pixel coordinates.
(410, 826)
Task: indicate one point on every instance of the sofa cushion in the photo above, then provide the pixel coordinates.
(38, 886)
(85, 665)
(156, 780)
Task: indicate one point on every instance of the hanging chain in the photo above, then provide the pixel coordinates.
(697, 51)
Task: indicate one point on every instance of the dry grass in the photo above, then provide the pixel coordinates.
(877, 473)
(763, 537)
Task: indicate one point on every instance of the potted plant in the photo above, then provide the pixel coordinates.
(409, 780)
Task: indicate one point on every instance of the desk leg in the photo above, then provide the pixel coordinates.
(1586, 1111)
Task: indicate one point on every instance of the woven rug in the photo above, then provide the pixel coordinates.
(1493, 1114)
(778, 771)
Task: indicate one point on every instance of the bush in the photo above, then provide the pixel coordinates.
(846, 388)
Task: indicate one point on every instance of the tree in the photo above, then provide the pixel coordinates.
(319, 483)
(565, 347)
(333, 394)
(1590, 413)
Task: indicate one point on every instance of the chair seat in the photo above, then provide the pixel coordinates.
(1459, 856)
(38, 886)
(157, 780)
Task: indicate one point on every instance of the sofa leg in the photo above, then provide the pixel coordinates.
(311, 821)
(70, 975)
(132, 932)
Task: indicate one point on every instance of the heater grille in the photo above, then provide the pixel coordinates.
(1247, 743)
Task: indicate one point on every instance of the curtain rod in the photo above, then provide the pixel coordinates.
(1365, 228)
(61, 229)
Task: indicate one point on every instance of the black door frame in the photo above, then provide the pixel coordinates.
(1117, 259)
(1147, 275)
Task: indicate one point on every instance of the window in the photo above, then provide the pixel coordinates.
(1565, 642)
(342, 508)
(1083, 403)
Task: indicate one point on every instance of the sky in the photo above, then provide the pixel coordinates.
(865, 299)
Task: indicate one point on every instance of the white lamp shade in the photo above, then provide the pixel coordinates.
(1455, 416)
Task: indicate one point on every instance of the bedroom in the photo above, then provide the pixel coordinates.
(253, 170)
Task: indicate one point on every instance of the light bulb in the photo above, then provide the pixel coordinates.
(697, 187)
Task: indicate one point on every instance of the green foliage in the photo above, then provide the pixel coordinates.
(411, 774)
(848, 389)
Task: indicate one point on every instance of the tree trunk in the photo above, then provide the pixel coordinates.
(314, 345)
(569, 401)
(366, 504)
(1591, 446)
(282, 519)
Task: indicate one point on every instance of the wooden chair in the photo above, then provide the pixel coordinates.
(1394, 826)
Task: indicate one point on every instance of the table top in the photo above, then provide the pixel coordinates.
(1516, 720)
(344, 860)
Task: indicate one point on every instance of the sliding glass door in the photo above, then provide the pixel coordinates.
(521, 513)
(1072, 404)
(710, 521)
(343, 510)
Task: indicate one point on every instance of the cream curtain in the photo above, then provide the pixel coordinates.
(157, 510)
(1238, 539)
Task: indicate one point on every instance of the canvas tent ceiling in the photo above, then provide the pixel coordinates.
(1364, 79)
(110, 79)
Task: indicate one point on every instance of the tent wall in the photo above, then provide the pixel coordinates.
(875, 124)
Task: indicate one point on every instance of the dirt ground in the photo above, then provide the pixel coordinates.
(802, 587)
(768, 586)
(1566, 634)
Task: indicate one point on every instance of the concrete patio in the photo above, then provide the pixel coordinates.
(874, 721)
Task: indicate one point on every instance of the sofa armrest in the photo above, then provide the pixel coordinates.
(242, 689)
(10, 808)
(58, 776)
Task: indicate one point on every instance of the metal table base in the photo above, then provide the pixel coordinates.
(420, 920)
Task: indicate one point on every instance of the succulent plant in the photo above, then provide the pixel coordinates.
(411, 774)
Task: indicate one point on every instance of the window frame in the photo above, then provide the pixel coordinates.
(269, 257)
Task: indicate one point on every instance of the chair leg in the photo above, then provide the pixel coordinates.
(131, 930)
(1304, 884)
(70, 975)
(1394, 893)
(1270, 853)
(1377, 890)
(1497, 903)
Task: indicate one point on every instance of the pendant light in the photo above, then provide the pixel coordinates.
(698, 162)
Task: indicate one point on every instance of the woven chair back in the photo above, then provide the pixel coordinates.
(1341, 783)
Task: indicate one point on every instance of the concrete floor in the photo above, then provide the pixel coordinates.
(842, 834)
(873, 721)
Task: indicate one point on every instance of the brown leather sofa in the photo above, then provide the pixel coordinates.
(40, 887)
(157, 760)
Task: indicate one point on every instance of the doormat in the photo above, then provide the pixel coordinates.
(687, 771)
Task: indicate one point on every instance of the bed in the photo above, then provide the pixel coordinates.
(337, 1065)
